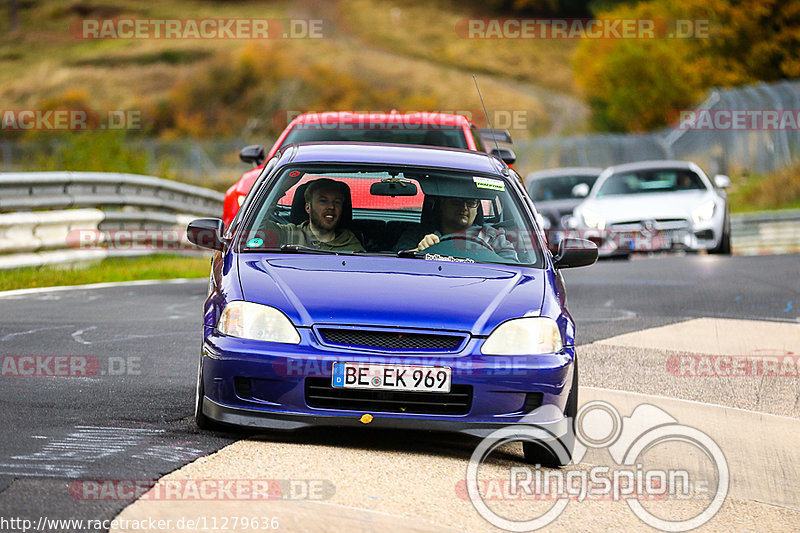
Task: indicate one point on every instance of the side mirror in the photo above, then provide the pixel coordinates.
(581, 190)
(488, 136)
(575, 253)
(722, 181)
(253, 154)
(207, 233)
(506, 154)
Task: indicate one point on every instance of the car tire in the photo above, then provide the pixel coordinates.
(724, 246)
(557, 453)
(200, 419)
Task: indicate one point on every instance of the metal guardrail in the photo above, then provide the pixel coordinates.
(95, 205)
(61, 190)
(766, 232)
(94, 202)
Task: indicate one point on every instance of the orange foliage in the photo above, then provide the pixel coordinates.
(252, 91)
(639, 84)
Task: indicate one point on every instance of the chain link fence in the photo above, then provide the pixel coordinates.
(215, 164)
(745, 150)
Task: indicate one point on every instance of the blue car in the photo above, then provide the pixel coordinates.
(387, 286)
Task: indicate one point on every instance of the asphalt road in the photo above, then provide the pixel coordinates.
(132, 419)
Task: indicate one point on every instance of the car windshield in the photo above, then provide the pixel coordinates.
(388, 211)
(398, 133)
(651, 181)
(557, 188)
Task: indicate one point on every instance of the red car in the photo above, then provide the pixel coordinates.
(430, 129)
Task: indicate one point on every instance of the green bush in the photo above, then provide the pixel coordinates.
(640, 84)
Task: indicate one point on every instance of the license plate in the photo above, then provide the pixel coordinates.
(391, 377)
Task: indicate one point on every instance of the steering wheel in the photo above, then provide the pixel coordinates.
(467, 237)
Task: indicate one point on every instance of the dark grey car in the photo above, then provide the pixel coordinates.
(554, 192)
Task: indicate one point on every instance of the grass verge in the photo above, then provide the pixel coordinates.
(780, 190)
(108, 270)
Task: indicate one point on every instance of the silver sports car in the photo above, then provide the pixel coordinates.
(655, 205)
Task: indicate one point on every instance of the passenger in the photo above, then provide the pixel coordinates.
(457, 215)
(325, 200)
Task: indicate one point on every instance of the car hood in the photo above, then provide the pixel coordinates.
(393, 292)
(647, 206)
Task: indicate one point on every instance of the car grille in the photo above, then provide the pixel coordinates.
(320, 394)
(390, 340)
(659, 224)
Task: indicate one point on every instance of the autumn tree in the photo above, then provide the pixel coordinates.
(639, 84)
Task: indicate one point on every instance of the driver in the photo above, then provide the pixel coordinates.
(457, 216)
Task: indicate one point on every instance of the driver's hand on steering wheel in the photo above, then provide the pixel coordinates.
(427, 240)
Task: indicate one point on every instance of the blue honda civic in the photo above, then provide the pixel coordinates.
(387, 286)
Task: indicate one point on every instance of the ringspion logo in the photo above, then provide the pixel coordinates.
(628, 440)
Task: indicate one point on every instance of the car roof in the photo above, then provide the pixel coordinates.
(564, 171)
(654, 164)
(349, 117)
(391, 154)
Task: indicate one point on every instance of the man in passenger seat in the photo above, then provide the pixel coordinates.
(456, 215)
(324, 202)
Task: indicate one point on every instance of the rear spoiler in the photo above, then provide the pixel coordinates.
(491, 135)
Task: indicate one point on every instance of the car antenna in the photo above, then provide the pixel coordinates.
(486, 114)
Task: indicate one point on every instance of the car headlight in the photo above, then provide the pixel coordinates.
(704, 213)
(240, 199)
(524, 336)
(593, 219)
(249, 320)
(545, 222)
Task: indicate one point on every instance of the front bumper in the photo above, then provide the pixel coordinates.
(504, 389)
(255, 418)
(625, 239)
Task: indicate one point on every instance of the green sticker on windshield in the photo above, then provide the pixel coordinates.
(489, 183)
(255, 243)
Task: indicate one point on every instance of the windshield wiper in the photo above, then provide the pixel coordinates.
(410, 253)
(301, 249)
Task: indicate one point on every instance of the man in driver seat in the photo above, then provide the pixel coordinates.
(457, 216)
